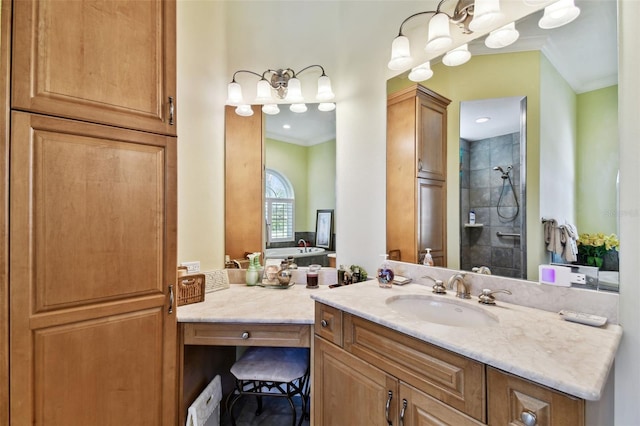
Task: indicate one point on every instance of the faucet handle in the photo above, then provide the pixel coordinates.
(438, 287)
(487, 298)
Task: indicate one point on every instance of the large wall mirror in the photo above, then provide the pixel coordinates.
(300, 181)
(568, 78)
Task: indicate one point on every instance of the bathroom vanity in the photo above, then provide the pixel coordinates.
(373, 364)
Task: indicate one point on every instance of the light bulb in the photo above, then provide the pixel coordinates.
(324, 89)
(400, 54)
(421, 72)
(439, 33)
(485, 14)
(502, 37)
(299, 108)
(270, 109)
(234, 94)
(457, 56)
(244, 110)
(559, 14)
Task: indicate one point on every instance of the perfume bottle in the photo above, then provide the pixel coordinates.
(385, 273)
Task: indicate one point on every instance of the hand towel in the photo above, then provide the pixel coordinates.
(569, 244)
(552, 236)
(206, 404)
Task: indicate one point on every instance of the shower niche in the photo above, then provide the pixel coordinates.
(492, 185)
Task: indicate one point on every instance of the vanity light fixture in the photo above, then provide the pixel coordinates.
(280, 86)
(470, 16)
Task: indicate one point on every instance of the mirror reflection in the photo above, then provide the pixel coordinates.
(300, 177)
(569, 79)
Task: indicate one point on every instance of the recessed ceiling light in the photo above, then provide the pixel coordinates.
(286, 126)
(480, 120)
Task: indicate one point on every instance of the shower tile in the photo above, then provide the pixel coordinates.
(479, 178)
(479, 159)
(504, 242)
(496, 220)
(480, 255)
(483, 215)
(480, 197)
(502, 257)
(502, 157)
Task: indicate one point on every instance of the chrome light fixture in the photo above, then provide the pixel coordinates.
(280, 86)
(469, 16)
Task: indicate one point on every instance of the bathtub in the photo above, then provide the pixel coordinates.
(295, 252)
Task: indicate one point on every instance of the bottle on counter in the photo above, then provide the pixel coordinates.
(253, 271)
(341, 272)
(385, 273)
(428, 259)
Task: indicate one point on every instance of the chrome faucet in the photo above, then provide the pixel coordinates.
(481, 270)
(458, 280)
(438, 287)
(304, 243)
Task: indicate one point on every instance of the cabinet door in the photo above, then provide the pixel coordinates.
(349, 391)
(92, 258)
(511, 397)
(420, 409)
(432, 141)
(432, 219)
(104, 61)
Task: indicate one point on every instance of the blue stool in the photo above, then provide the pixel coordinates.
(270, 371)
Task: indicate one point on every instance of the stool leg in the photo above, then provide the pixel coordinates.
(233, 402)
(259, 409)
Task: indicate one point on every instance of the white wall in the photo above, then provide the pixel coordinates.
(627, 371)
(351, 39)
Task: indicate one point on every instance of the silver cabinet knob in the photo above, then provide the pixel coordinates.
(528, 418)
(324, 323)
(245, 335)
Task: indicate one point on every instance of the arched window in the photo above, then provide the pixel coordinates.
(279, 207)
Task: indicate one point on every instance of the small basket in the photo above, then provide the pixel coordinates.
(191, 289)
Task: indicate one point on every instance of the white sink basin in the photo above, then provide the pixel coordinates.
(441, 311)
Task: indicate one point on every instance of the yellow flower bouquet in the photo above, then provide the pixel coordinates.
(592, 248)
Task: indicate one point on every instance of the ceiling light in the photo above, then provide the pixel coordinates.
(502, 37)
(244, 110)
(270, 109)
(481, 120)
(421, 72)
(326, 106)
(278, 86)
(457, 56)
(559, 14)
(400, 54)
(439, 34)
(286, 126)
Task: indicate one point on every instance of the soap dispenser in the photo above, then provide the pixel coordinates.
(385, 273)
(428, 260)
(253, 271)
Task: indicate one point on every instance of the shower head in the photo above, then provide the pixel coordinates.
(498, 168)
(505, 174)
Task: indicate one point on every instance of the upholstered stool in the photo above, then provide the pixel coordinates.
(269, 371)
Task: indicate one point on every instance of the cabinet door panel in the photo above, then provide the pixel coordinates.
(432, 146)
(92, 228)
(110, 62)
(348, 391)
(424, 410)
(510, 396)
(432, 219)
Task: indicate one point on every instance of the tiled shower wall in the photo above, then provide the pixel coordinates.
(480, 189)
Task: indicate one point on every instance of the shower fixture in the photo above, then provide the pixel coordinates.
(506, 176)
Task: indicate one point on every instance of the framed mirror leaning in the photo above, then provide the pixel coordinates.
(571, 123)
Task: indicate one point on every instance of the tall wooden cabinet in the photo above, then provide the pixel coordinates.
(416, 173)
(92, 211)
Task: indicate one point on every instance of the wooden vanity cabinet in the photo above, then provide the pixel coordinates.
(373, 367)
(416, 173)
(510, 397)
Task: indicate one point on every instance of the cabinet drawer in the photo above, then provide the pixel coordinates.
(453, 379)
(328, 323)
(287, 335)
(511, 396)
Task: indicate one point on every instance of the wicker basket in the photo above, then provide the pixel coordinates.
(191, 289)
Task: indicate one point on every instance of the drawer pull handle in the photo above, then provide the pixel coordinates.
(171, 110)
(404, 409)
(245, 335)
(387, 407)
(170, 299)
(324, 323)
(528, 418)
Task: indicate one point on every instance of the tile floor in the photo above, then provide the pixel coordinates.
(275, 412)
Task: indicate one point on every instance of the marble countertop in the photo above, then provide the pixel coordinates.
(531, 343)
(259, 305)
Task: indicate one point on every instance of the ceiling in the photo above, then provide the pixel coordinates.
(307, 128)
(584, 52)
